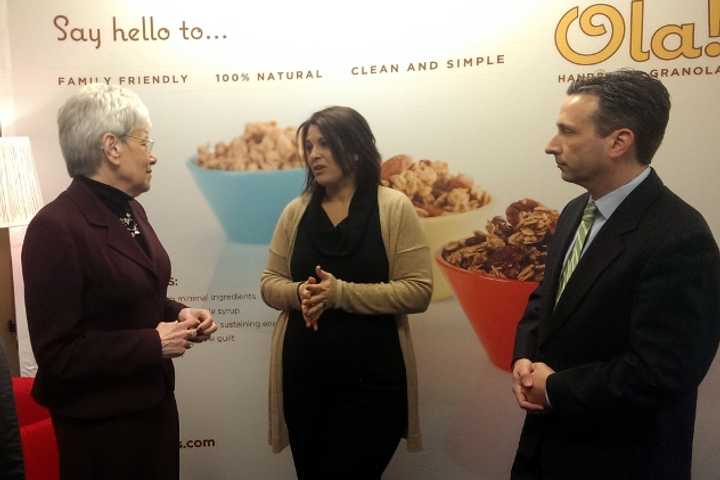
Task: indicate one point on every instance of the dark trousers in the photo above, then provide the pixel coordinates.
(344, 433)
(139, 446)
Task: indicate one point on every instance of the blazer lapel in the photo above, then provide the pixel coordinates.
(98, 215)
(119, 239)
(153, 243)
(605, 249)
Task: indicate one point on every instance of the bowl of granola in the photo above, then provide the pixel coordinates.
(494, 271)
(248, 181)
(450, 206)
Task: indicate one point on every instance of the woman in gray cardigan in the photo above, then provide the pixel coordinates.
(348, 261)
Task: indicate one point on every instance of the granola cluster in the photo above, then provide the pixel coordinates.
(512, 249)
(430, 186)
(263, 146)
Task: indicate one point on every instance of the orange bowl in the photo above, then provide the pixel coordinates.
(493, 306)
(439, 231)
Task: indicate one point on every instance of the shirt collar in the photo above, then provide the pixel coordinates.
(608, 203)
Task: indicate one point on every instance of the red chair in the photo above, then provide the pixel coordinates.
(36, 434)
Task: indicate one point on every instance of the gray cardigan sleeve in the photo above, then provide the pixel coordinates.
(276, 286)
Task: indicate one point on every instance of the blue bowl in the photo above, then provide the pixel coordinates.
(248, 204)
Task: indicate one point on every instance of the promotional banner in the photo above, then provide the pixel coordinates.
(462, 98)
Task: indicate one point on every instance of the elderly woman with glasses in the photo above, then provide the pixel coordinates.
(96, 277)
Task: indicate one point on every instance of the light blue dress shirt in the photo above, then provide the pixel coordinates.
(606, 206)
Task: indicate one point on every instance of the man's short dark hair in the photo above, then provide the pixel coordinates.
(629, 99)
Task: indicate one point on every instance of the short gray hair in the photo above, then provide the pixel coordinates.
(86, 116)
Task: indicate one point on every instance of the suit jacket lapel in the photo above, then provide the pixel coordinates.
(605, 249)
(118, 238)
(153, 243)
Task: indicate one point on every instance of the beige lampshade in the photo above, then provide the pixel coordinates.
(20, 196)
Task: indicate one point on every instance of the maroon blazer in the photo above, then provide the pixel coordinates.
(94, 298)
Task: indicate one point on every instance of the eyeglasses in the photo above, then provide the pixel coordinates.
(145, 142)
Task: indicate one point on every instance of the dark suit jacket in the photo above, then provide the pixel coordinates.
(94, 298)
(11, 455)
(631, 338)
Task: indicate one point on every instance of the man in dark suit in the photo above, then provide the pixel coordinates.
(615, 341)
(11, 457)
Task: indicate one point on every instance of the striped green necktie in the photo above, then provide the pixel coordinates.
(577, 247)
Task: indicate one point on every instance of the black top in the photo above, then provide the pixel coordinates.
(348, 348)
(119, 203)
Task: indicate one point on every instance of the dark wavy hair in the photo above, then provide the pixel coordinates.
(629, 99)
(351, 141)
